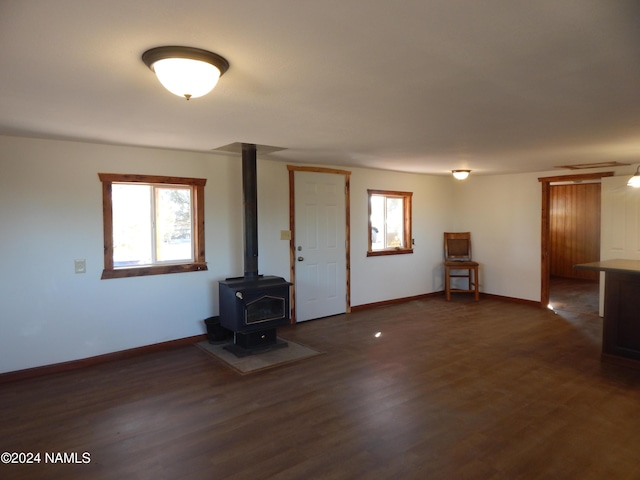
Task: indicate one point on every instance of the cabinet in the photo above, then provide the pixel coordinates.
(621, 329)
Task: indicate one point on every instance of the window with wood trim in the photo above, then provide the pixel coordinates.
(389, 222)
(152, 225)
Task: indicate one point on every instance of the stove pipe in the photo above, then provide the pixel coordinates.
(250, 201)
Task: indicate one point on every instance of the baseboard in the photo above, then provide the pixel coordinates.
(522, 301)
(107, 357)
(156, 347)
(394, 301)
(436, 294)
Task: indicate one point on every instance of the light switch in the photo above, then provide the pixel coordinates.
(80, 265)
(285, 234)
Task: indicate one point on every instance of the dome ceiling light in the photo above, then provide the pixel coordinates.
(186, 71)
(635, 180)
(460, 174)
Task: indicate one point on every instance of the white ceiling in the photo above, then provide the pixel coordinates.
(426, 86)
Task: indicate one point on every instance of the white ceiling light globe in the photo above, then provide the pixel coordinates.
(186, 77)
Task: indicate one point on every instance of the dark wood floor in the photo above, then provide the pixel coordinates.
(450, 390)
(574, 295)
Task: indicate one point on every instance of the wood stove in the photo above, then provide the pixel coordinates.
(252, 309)
(253, 306)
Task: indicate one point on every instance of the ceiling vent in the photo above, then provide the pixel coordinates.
(585, 166)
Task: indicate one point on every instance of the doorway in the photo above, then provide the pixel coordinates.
(574, 229)
(570, 235)
(320, 244)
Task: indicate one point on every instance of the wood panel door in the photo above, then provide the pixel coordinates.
(574, 229)
(320, 245)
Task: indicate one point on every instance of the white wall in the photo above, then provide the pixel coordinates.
(376, 279)
(503, 213)
(273, 217)
(620, 219)
(51, 214)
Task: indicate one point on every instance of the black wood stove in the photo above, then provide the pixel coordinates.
(253, 306)
(252, 309)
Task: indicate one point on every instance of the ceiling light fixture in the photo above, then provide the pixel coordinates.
(635, 180)
(186, 71)
(460, 174)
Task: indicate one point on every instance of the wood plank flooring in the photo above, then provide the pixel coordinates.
(449, 390)
(574, 295)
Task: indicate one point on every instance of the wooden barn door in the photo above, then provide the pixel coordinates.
(574, 229)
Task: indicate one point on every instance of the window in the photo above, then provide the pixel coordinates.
(389, 222)
(152, 225)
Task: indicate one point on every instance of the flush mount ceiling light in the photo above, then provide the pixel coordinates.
(186, 71)
(460, 174)
(635, 180)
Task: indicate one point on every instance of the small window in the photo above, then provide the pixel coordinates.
(152, 225)
(389, 222)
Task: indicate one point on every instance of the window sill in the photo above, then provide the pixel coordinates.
(152, 270)
(395, 251)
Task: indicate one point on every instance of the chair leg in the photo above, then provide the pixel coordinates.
(475, 281)
(472, 279)
(447, 280)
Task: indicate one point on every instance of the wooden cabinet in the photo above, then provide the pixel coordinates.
(621, 335)
(621, 330)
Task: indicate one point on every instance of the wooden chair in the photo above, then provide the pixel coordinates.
(457, 258)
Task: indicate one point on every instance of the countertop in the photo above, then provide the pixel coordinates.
(617, 265)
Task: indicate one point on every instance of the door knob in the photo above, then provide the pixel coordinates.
(300, 259)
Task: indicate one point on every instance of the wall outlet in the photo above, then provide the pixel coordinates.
(80, 265)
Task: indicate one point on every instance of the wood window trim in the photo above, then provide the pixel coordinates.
(198, 263)
(292, 228)
(407, 196)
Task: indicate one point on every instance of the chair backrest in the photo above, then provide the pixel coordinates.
(457, 246)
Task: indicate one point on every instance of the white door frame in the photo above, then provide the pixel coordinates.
(292, 228)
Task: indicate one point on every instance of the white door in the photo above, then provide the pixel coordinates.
(320, 245)
(620, 213)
